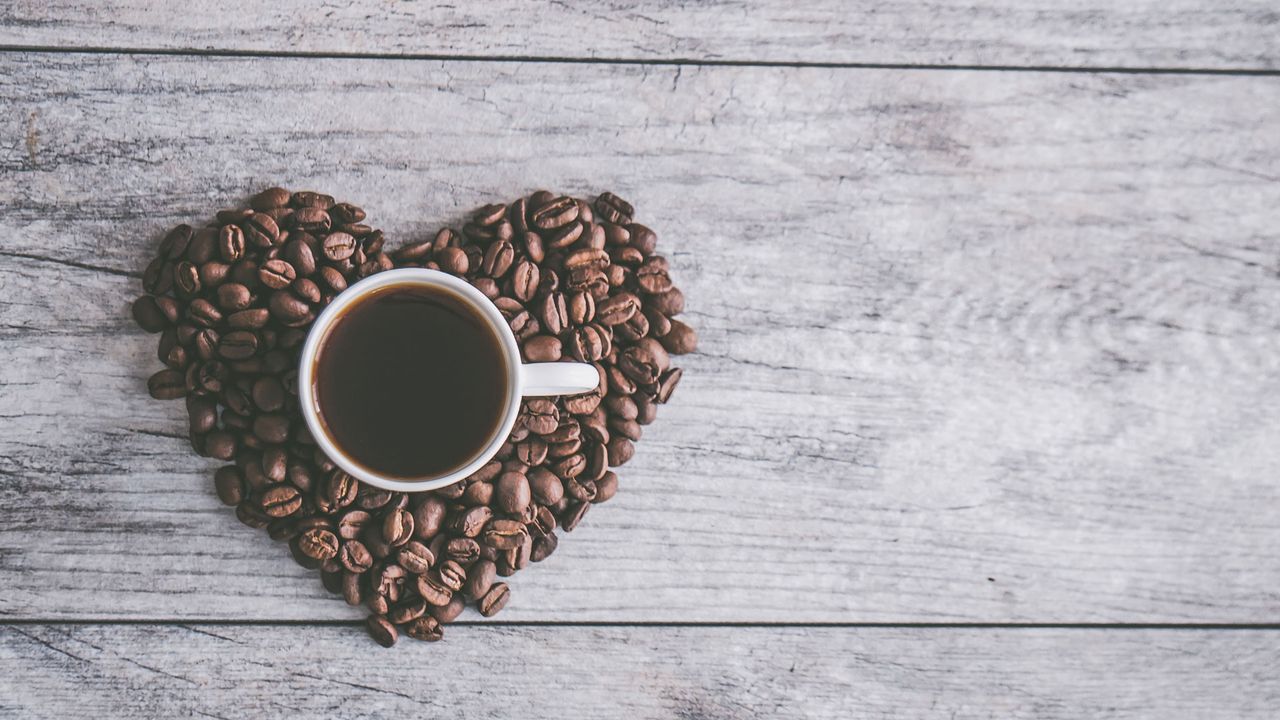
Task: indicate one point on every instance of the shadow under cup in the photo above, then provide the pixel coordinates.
(410, 381)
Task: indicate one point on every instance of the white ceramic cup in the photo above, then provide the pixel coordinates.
(523, 380)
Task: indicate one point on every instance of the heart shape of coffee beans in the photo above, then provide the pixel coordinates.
(577, 281)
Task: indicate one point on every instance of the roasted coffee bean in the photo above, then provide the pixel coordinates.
(251, 515)
(498, 259)
(581, 308)
(494, 600)
(382, 631)
(450, 611)
(573, 515)
(397, 527)
(300, 256)
(261, 230)
(351, 590)
(229, 484)
(355, 557)
(167, 385)
(667, 384)
(555, 213)
(512, 494)
(287, 308)
(206, 343)
(532, 451)
(472, 521)
(618, 309)
(463, 550)
(562, 237)
(480, 493)
(606, 487)
(352, 524)
(407, 611)
(428, 517)
(175, 242)
(271, 427)
(614, 209)
(680, 340)
(425, 628)
(333, 279)
(453, 260)
(542, 348)
(270, 198)
(543, 547)
(277, 274)
(231, 243)
(319, 544)
(480, 577)
(148, 314)
(620, 451)
(652, 277)
(415, 557)
(586, 344)
(339, 246)
(586, 258)
(275, 463)
(238, 345)
(545, 486)
(503, 534)
(372, 498)
(281, 501)
(306, 290)
(668, 303)
(186, 279)
(312, 220)
(433, 590)
(452, 575)
(157, 278)
(202, 413)
(541, 417)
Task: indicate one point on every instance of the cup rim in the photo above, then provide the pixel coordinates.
(408, 276)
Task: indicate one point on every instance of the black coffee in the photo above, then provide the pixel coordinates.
(410, 381)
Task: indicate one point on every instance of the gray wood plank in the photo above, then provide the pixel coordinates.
(642, 672)
(1092, 33)
(974, 346)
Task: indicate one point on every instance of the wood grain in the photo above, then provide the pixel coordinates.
(1239, 34)
(633, 673)
(975, 346)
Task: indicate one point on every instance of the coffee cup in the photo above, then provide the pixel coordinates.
(411, 380)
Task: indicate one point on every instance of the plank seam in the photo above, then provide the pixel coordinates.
(681, 62)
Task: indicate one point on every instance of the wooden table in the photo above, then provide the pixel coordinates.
(984, 421)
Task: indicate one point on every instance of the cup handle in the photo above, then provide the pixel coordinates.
(557, 378)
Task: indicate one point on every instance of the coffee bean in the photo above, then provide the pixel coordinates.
(157, 278)
(186, 279)
(542, 348)
(614, 209)
(231, 243)
(261, 230)
(306, 290)
(238, 345)
(450, 611)
(472, 521)
(300, 256)
(620, 451)
(355, 557)
(277, 274)
(203, 313)
(498, 259)
(581, 308)
(428, 517)
(652, 277)
(352, 524)
(382, 631)
(668, 303)
(574, 515)
(281, 501)
(555, 213)
(229, 484)
(202, 413)
(453, 260)
(667, 385)
(542, 416)
(319, 544)
(494, 600)
(543, 547)
(503, 534)
(532, 451)
(618, 309)
(339, 246)
(452, 575)
(512, 494)
(425, 628)
(680, 340)
(312, 219)
(148, 314)
(480, 493)
(249, 514)
(415, 557)
(167, 385)
(175, 242)
(433, 590)
(397, 527)
(287, 308)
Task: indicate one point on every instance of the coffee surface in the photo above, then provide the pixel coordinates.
(410, 381)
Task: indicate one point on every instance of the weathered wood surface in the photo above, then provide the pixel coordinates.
(975, 347)
(641, 672)
(1236, 34)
